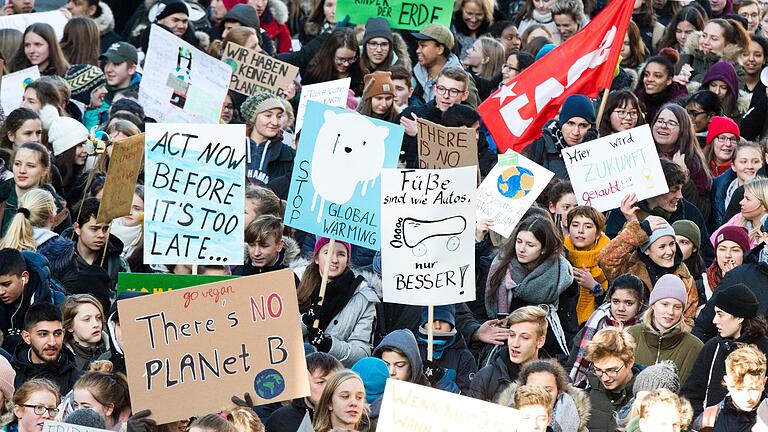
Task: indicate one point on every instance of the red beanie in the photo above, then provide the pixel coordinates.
(231, 3)
(736, 234)
(322, 241)
(720, 125)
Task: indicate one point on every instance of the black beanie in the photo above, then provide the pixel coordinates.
(170, 7)
(738, 300)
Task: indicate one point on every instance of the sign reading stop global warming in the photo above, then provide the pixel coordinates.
(409, 407)
(428, 235)
(605, 170)
(189, 351)
(195, 194)
(509, 190)
(253, 72)
(335, 189)
(401, 14)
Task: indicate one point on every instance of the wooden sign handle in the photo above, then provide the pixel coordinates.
(106, 245)
(430, 330)
(324, 282)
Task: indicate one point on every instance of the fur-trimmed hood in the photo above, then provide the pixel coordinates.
(279, 11)
(401, 50)
(579, 398)
(105, 20)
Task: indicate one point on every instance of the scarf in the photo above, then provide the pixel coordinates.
(587, 259)
(542, 18)
(440, 341)
(542, 285)
(130, 236)
(338, 292)
(714, 276)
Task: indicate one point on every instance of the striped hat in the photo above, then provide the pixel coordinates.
(84, 79)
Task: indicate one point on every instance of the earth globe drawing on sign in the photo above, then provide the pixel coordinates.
(515, 182)
(269, 384)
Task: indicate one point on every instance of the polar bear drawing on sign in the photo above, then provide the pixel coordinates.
(349, 150)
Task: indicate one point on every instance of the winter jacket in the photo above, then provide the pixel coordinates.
(409, 151)
(754, 274)
(105, 21)
(732, 419)
(546, 149)
(273, 22)
(403, 341)
(675, 344)
(653, 102)
(84, 356)
(114, 262)
(266, 164)
(133, 86)
(571, 412)
(605, 403)
(289, 417)
(400, 57)
(720, 186)
(8, 195)
(352, 328)
(754, 124)
(60, 252)
(705, 388)
(64, 373)
(491, 381)
(623, 255)
(701, 62)
(459, 364)
(39, 289)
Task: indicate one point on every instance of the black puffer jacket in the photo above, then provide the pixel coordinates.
(492, 380)
(63, 372)
(546, 149)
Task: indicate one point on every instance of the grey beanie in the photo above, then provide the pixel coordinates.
(86, 417)
(661, 375)
(664, 231)
(377, 27)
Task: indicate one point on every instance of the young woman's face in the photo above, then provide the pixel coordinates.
(398, 365)
(36, 49)
(712, 39)
(624, 117)
(329, 10)
(84, 399)
(751, 13)
(724, 146)
(475, 56)
(662, 251)
(29, 131)
(28, 169)
(28, 420)
(473, 15)
(338, 258)
(546, 380)
(81, 154)
(728, 326)
(583, 232)
(729, 254)
(344, 59)
(561, 208)
(698, 116)
(682, 31)
(718, 87)
(753, 59)
(747, 162)
(218, 9)
(751, 208)
(377, 50)
(626, 50)
(686, 246)
(667, 312)
(267, 123)
(380, 104)
(510, 69)
(566, 26)
(624, 304)
(87, 325)
(347, 404)
(543, 6)
(227, 109)
(662, 417)
(31, 101)
(510, 37)
(527, 247)
(666, 129)
(764, 25)
(252, 43)
(655, 78)
(259, 5)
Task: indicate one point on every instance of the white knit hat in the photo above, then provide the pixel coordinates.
(65, 133)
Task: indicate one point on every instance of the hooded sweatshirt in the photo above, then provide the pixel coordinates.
(404, 342)
(63, 371)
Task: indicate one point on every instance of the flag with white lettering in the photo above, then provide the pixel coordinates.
(584, 64)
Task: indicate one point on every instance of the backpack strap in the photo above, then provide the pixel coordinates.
(709, 417)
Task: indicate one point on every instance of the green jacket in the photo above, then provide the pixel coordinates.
(605, 404)
(677, 345)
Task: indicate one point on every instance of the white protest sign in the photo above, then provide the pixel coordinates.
(181, 84)
(195, 194)
(509, 190)
(410, 407)
(12, 87)
(20, 22)
(333, 93)
(605, 170)
(53, 426)
(428, 235)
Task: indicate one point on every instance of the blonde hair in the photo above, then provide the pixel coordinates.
(611, 342)
(123, 126)
(70, 307)
(41, 206)
(532, 314)
(648, 320)
(494, 50)
(666, 396)
(487, 6)
(322, 421)
(746, 360)
(245, 420)
(527, 395)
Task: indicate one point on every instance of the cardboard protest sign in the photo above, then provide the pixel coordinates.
(20, 22)
(509, 190)
(214, 341)
(253, 72)
(160, 282)
(332, 93)
(605, 170)
(53, 426)
(335, 189)
(13, 85)
(428, 235)
(195, 194)
(124, 167)
(446, 147)
(181, 84)
(401, 14)
(410, 407)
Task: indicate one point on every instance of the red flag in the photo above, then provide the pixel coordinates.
(584, 64)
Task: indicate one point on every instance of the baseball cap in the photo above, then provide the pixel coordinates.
(120, 52)
(436, 32)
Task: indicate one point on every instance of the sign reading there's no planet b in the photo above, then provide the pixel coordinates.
(509, 190)
(607, 169)
(335, 188)
(428, 235)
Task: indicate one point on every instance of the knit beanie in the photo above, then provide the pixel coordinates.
(380, 82)
(83, 79)
(258, 103)
(689, 230)
(577, 105)
(66, 133)
(166, 8)
(129, 105)
(377, 27)
(660, 375)
(736, 234)
(725, 72)
(442, 313)
(374, 373)
(231, 3)
(87, 417)
(544, 50)
(322, 241)
(664, 231)
(7, 377)
(737, 300)
(720, 125)
(669, 286)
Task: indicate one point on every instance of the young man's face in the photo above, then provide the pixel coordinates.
(80, 8)
(402, 92)
(524, 342)
(746, 395)
(177, 23)
(398, 365)
(429, 52)
(92, 235)
(613, 372)
(119, 74)
(11, 287)
(264, 252)
(317, 380)
(575, 130)
(449, 92)
(22, 6)
(45, 339)
(533, 418)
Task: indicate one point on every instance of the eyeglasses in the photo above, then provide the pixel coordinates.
(378, 45)
(722, 139)
(342, 60)
(452, 92)
(623, 113)
(611, 373)
(509, 68)
(41, 409)
(693, 113)
(228, 107)
(671, 124)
